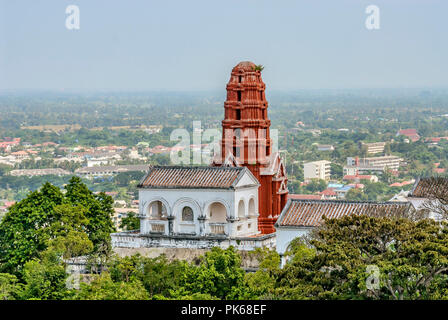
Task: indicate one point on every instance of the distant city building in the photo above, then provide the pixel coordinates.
(435, 140)
(410, 133)
(154, 129)
(402, 184)
(305, 196)
(101, 158)
(357, 165)
(334, 185)
(39, 172)
(358, 178)
(20, 154)
(329, 194)
(8, 144)
(63, 159)
(325, 147)
(317, 170)
(342, 192)
(90, 172)
(374, 147)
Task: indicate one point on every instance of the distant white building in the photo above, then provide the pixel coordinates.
(39, 172)
(101, 171)
(375, 163)
(325, 147)
(197, 207)
(317, 170)
(374, 147)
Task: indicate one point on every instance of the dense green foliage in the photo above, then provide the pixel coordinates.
(411, 257)
(77, 221)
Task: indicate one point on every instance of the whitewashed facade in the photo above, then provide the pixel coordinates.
(197, 207)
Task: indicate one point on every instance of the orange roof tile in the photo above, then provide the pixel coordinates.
(192, 177)
(430, 187)
(309, 213)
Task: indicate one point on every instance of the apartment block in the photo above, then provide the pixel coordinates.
(374, 147)
(317, 170)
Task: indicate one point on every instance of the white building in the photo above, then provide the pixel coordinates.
(325, 147)
(197, 207)
(374, 147)
(102, 171)
(317, 170)
(299, 217)
(372, 163)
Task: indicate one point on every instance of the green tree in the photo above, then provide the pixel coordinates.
(262, 282)
(67, 232)
(158, 275)
(99, 211)
(10, 289)
(337, 171)
(130, 222)
(411, 256)
(219, 274)
(74, 222)
(104, 288)
(356, 195)
(24, 229)
(45, 278)
(316, 185)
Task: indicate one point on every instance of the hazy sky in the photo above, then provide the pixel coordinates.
(193, 45)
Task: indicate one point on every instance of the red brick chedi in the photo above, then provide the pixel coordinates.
(246, 141)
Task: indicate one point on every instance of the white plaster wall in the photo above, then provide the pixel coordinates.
(200, 200)
(419, 203)
(286, 235)
(247, 225)
(136, 241)
(175, 199)
(309, 171)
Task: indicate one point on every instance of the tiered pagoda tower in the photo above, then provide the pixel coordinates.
(246, 141)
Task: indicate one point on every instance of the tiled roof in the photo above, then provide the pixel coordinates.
(408, 132)
(192, 177)
(328, 192)
(430, 187)
(309, 213)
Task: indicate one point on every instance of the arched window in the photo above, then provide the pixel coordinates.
(252, 207)
(157, 211)
(217, 213)
(241, 210)
(187, 214)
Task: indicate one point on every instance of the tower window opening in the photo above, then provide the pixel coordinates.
(239, 95)
(238, 114)
(240, 78)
